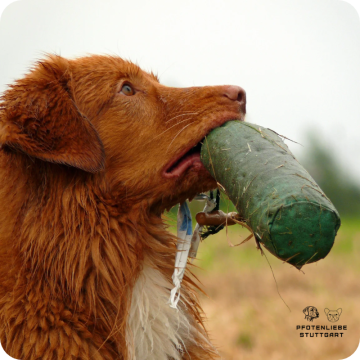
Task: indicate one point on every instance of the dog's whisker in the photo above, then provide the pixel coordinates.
(178, 135)
(184, 114)
(167, 130)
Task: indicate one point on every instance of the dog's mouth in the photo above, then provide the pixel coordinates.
(191, 158)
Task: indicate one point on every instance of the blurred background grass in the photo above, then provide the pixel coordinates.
(247, 318)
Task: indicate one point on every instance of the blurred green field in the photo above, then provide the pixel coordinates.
(247, 318)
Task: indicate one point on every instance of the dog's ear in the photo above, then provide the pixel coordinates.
(306, 310)
(39, 117)
(326, 311)
(339, 310)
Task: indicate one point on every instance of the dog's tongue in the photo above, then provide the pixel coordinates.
(191, 160)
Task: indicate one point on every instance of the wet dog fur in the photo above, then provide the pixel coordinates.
(89, 162)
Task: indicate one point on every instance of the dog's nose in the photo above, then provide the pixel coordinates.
(236, 93)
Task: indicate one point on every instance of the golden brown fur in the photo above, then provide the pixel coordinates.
(82, 191)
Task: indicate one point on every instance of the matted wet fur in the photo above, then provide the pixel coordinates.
(89, 161)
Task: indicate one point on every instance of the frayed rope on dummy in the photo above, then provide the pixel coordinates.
(188, 243)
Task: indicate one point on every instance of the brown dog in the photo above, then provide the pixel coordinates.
(93, 151)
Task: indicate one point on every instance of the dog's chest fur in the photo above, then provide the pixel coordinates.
(155, 330)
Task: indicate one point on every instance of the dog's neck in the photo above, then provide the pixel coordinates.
(112, 269)
(85, 253)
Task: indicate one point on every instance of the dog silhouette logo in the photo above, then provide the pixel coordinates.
(333, 315)
(311, 313)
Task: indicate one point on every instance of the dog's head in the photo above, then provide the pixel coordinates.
(333, 315)
(106, 116)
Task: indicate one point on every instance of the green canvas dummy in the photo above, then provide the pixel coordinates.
(287, 211)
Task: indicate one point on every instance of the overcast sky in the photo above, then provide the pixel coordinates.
(298, 60)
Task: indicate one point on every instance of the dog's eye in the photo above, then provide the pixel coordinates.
(127, 90)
